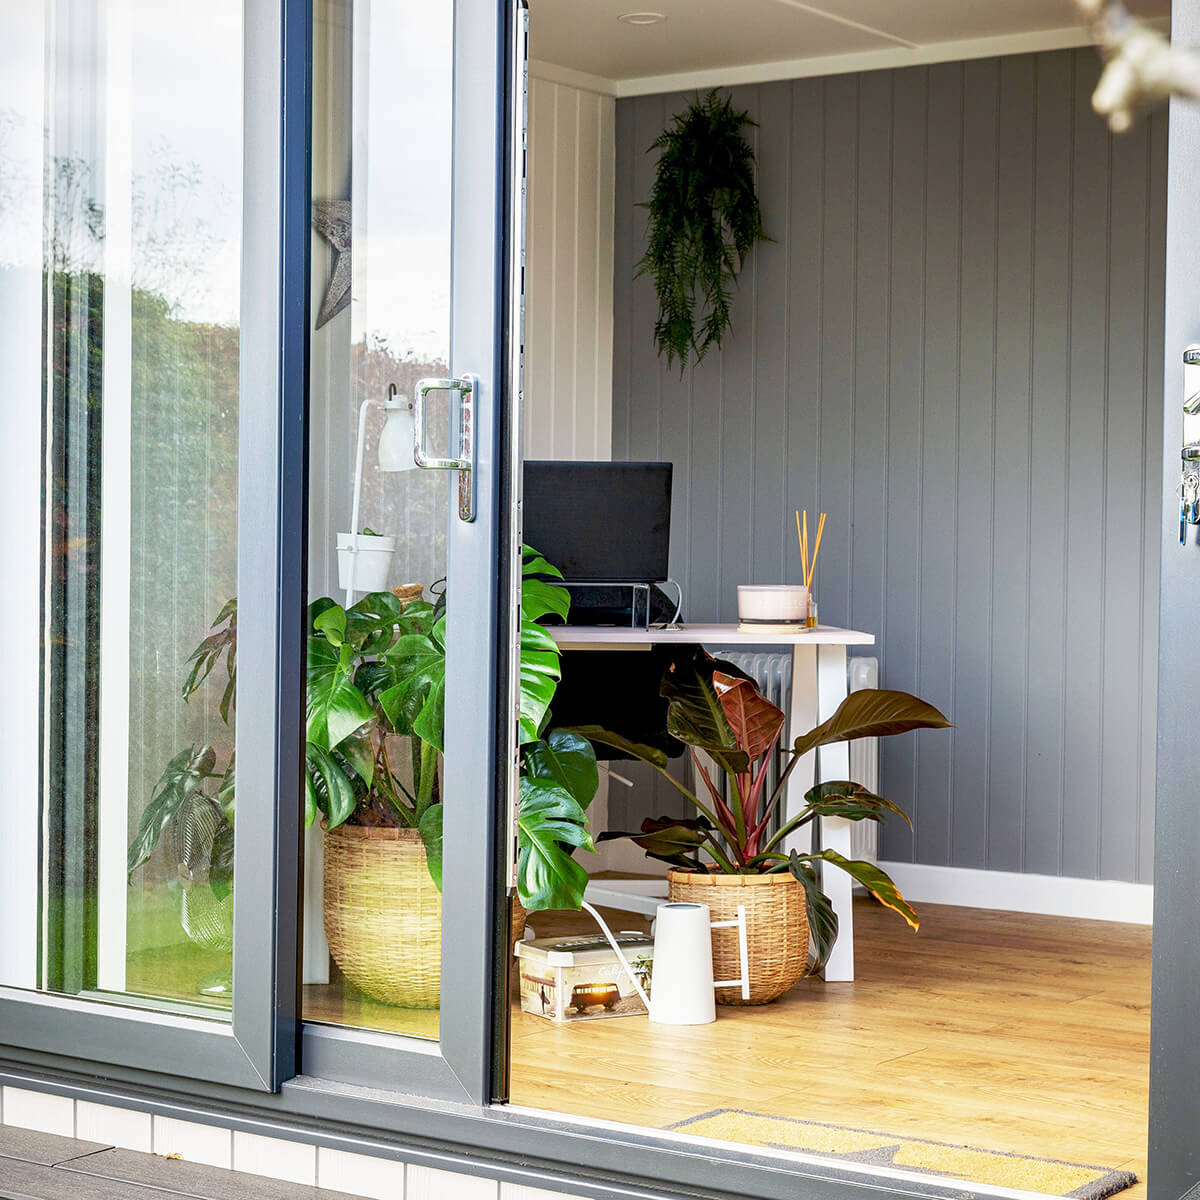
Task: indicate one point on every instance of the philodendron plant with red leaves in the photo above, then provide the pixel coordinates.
(715, 708)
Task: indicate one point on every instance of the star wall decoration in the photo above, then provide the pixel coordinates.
(331, 219)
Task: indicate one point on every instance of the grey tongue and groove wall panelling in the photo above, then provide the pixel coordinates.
(953, 346)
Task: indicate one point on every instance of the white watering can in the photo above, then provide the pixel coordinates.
(683, 984)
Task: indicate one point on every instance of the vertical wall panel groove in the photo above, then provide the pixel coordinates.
(571, 237)
(951, 347)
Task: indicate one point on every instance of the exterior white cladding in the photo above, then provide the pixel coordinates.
(275, 1158)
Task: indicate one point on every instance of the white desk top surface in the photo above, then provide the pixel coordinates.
(615, 636)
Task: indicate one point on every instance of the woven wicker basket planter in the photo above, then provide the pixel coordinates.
(383, 914)
(519, 919)
(776, 929)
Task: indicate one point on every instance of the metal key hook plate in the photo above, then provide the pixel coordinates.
(466, 387)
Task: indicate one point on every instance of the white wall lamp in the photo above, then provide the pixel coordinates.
(365, 559)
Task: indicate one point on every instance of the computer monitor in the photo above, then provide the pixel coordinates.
(601, 521)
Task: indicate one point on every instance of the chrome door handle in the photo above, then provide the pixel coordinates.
(464, 464)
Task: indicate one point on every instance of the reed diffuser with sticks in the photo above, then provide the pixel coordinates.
(808, 566)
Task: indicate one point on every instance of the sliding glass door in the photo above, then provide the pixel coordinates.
(410, 565)
(139, 285)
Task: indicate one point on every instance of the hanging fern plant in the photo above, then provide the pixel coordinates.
(704, 220)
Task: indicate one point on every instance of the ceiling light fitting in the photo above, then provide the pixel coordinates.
(642, 18)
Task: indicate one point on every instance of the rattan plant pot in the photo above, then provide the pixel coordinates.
(776, 929)
(519, 919)
(383, 914)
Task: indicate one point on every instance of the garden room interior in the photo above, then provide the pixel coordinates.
(948, 342)
(933, 423)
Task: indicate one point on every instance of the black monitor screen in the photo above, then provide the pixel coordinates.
(600, 520)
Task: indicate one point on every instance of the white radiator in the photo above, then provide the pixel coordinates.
(773, 675)
(864, 764)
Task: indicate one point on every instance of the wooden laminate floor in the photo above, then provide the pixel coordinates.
(999, 1030)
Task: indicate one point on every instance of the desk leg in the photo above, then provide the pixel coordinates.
(803, 717)
(834, 763)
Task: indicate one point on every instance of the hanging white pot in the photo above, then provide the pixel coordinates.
(371, 556)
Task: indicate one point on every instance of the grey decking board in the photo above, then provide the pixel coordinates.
(178, 1176)
(35, 1181)
(46, 1149)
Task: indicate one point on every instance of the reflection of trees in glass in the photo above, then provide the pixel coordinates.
(182, 458)
(411, 505)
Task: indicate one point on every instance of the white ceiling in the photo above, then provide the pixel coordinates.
(705, 36)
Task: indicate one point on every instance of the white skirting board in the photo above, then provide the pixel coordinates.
(1010, 891)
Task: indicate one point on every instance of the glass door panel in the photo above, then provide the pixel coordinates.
(124, 148)
(380, 312)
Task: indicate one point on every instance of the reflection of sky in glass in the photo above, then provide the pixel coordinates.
(405, 273)
(185, 94)
(186, 98)
(176, 69)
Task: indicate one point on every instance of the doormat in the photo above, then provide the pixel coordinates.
(996, 1167)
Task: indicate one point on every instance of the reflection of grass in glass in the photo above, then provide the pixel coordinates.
(160, 959)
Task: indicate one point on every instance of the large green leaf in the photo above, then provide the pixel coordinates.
(336, 708)
(669, 839)
(694, 712)
(183, 775)
(430, 828)
(206, 656)
(549, 821)
(532, 563)
(844, 798)
(565, 758)
(371, 623)
(220, 868)
(877, 882)
(359, 756)
(540, 673)
(327, 786)
(755, 721)
(872, 712)
(415, 701)
(822, 920)
(649, 754)
(541, 599)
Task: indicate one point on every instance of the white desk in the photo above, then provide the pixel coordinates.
(819, 685)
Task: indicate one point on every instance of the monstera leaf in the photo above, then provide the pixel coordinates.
(540, 659)
(549, 822)
(872, 712)
(565, 758)
(336, 708)
(327, 788)
(416, 702)
(371, 622)
(184, 774)
(220, 867)
(430, 828)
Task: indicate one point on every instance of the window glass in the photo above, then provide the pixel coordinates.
(121, 170)
(380, 312)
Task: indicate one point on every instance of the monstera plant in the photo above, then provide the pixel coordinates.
(718, 712)
(377, 674)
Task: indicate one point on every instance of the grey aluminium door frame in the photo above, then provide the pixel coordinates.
(481, 564)
(257, 1048)
(1174, 1167)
